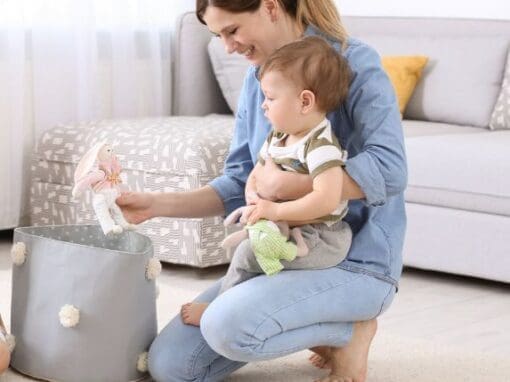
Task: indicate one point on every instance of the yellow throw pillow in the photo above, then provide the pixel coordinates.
(404, 73)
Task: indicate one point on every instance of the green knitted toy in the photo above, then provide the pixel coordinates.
(270, 246)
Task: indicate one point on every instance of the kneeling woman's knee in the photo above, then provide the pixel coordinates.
(226, 333)
(166, 364)
(161, 367)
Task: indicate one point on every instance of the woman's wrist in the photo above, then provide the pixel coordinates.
(197, 203)
(161, 204)
(350, 189)
(152, 204)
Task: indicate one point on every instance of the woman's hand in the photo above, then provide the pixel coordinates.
(275, 184)
(136, 207)
(269, 180)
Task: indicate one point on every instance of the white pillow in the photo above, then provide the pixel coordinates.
(501, 115)
(229, 70)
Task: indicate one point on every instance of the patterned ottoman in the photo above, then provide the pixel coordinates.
(157, 154)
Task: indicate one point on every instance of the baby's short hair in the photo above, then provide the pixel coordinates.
(316, 66)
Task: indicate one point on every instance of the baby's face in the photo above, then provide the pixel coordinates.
(282, 104)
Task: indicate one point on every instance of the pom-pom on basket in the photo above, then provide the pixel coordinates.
(99, 284)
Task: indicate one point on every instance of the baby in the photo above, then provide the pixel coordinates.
(301, 82)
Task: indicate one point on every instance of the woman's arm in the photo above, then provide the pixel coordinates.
(321, 201)
(138, 207)
(221, 196)
(273, 184)
(379, 166)
(198, 203)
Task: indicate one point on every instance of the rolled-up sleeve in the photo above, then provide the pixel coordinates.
(379, 166)
(238, 164)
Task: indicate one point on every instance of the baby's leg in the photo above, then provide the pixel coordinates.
(243, 267)
(328, 246)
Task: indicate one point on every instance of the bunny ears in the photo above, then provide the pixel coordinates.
(86, 163)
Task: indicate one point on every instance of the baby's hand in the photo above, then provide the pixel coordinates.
(264, 209)
(247, 211)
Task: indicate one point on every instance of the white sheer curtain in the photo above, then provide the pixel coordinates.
(64, 61)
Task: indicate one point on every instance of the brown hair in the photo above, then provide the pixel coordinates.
(314, 65)
(321, 13)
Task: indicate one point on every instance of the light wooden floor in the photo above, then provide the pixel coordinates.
(448, 310)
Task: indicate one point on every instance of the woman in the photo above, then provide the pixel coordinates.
(333, 311)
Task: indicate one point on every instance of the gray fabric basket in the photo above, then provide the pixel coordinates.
(103, 277)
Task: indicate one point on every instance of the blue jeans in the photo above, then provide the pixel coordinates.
(264, 318)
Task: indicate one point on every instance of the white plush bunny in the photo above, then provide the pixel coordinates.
(104, 180)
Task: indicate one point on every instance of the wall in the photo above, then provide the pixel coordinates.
(486, 9)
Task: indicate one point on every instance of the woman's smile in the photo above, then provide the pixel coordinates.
(247, 52)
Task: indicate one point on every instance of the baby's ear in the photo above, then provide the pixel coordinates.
(307, 101)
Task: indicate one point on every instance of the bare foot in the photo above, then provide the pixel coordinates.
(321, 358)
(191, 312)
(349, 363)
(5, 355)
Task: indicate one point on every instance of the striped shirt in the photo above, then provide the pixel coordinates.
(316, 152)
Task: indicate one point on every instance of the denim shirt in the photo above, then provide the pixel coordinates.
(368, 126)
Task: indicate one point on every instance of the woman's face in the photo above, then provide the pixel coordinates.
(251, 34)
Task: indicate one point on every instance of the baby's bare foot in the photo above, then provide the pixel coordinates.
(349, 363)
(191, 313)
(321, 358)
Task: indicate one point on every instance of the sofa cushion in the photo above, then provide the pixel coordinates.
(461, 81)
(423, 128)
(229, 70)
(501, 115)
(194, 88)
(461, 171)
(459, 85)
(404, 73)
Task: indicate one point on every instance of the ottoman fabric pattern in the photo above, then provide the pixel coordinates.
(157, 154)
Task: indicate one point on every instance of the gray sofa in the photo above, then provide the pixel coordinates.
(458, 198)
